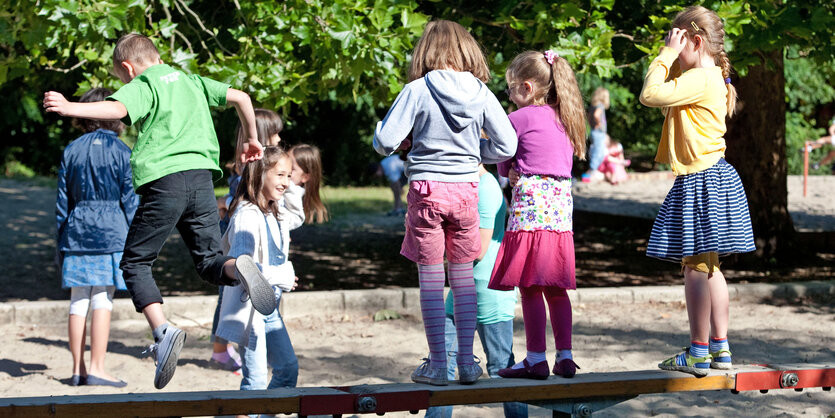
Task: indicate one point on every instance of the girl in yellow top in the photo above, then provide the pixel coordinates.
(705, 214)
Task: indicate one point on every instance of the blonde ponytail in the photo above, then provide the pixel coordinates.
(725, 64)
(569, 103)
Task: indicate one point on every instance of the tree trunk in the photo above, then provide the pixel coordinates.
(756, 141)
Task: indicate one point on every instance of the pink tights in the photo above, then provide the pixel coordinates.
(533, 312)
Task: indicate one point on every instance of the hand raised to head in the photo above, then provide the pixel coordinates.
(676, 39)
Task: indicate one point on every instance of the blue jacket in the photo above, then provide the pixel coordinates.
(96, 202)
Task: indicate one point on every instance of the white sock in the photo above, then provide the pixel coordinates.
(532, 358)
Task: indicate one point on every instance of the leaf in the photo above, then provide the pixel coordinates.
(386, 314)
(345, 36)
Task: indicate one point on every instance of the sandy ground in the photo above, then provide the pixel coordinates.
(353, 349)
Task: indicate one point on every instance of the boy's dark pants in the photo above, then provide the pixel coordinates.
(186, 200)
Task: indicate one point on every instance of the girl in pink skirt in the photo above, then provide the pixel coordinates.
(537, 252)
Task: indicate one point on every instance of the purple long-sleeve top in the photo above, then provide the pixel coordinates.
(544, 147)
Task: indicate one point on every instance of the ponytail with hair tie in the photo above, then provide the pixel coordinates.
(549, 56)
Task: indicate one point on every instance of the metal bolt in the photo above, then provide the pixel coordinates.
(366, 404)
(582, 410)
(788, 380)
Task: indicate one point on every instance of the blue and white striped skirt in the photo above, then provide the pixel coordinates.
(703, 212)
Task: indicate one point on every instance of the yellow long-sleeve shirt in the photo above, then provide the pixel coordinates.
(695, 106)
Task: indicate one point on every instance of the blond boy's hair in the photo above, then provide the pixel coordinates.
(600, 97)
(446, 44)
(136, 48)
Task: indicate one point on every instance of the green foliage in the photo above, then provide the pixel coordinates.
(332, 67)
(807, 90)
(798, 131)
(286, 55)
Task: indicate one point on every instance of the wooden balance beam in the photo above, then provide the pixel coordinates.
(571, 396)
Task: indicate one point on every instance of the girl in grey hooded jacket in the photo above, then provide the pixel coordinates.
(452, 122)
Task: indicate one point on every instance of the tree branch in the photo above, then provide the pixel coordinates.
(182, 4)
(66, 70)
(623, 35)
(183, 37)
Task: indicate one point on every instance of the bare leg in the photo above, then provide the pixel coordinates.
(77, 325)
(229, 269)
(153, 313)
(719, 305)
(99, 335)
(397, 191)
(698, 297)
(219, 347)
(828, 158)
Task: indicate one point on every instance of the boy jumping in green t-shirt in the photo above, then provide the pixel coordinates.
(174, 159)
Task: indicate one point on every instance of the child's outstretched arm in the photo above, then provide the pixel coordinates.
(252, 149)
(107, 110)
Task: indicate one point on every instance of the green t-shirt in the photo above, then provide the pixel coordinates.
(493, 305)
(176, 131)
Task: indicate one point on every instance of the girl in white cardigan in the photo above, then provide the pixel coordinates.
(266, 207)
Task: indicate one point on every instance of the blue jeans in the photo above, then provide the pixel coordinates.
(598, 149)
(270, 350)
(497, 341)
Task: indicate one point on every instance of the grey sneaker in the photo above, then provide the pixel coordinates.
(166, 353)
(261, 294)
(469, 373)
(430, 375)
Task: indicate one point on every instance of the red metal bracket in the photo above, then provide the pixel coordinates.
(785, 379)
(355, 399)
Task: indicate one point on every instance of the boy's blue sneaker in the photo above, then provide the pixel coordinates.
(721, 360)
(684, 362)
(166, 353)
(261, 294)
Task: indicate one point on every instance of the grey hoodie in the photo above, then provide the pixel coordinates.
(445, 112)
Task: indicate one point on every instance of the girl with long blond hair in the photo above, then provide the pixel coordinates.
(441, 114)
(705, 214)
(537, 252)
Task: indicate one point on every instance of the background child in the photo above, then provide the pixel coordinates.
(826, 140)
(496, 309)
(94, 208)
(442, 112)
(268, 125)
(263, 213)
(307, 173)
(705, 214)
(597, 120)
(614, 165)
(537, 252)
(173, 162)
(392, 168)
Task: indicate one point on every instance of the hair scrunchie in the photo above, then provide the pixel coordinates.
(549, 56)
